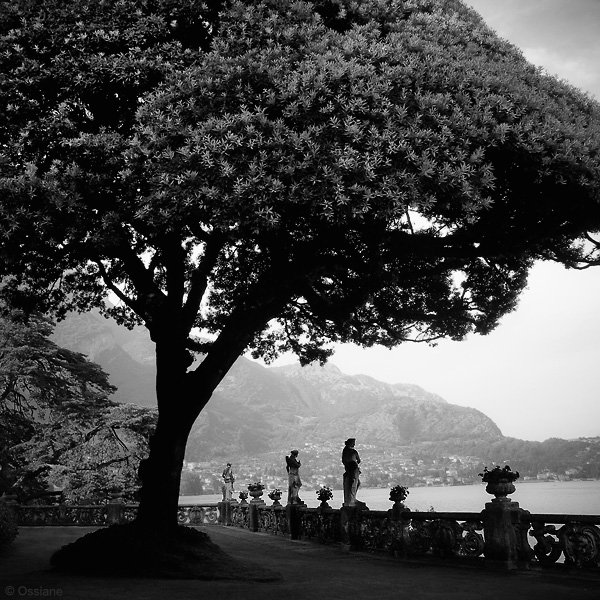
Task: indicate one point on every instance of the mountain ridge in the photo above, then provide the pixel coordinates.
(258, 411)
(294, 404)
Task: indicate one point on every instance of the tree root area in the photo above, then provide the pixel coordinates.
(131, 551)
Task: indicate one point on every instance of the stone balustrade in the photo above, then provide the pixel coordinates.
(196, 514)
(98, 515)
(63, 515)
(502, 534)
(569, 539)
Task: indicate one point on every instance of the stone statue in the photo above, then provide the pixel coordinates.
(351, 460)
(228, 480)
(292, 465)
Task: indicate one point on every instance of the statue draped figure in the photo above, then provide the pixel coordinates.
(292, 465)
(228, 480)
(351, 460)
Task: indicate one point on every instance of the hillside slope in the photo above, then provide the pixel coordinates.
(257, 409)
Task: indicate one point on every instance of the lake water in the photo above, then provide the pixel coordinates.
(555, 497)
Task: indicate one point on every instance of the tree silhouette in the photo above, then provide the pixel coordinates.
(275, 175)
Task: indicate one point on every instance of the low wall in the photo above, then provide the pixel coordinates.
(106, 514)
(501, 534)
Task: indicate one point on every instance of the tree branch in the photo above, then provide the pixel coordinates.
(199, 279)
(132, 304)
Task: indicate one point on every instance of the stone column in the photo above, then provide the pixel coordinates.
(505, 533)
(293, 515)
(255, 504)
(224, 513)
(400, 518)
(114, 508)
(350, 517)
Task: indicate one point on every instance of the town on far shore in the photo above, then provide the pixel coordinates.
(380, 468)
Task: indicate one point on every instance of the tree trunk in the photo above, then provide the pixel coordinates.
(181, 396)
(161, 474)
(178, 408)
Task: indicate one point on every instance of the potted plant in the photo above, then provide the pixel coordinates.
(398, 494)
(243, 496)
(500, 481)
(256, 490)
(323, 495)
(275, 495)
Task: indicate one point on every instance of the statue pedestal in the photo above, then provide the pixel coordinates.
(356, 504)
(225, 511)
(505, 533)
(350, 524)
(293, 515)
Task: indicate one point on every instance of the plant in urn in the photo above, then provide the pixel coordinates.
(275, 495)
(500, 482)
(398, 495)
(323, 495)
(256, 491)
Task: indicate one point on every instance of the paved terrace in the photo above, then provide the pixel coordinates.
(307, 571)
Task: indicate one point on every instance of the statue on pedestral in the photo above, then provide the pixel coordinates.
(292, 465)
(351, 460)
(228, 480)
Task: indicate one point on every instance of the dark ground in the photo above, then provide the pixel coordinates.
(308, 571)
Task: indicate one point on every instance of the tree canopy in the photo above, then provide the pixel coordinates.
(374, 171)
(279, 175)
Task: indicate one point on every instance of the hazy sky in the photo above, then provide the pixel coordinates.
(538, 374)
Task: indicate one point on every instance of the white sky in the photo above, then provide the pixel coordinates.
(538, 374)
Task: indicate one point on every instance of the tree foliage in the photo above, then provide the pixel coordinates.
(282, 175)
(108, 460)
(375, 170)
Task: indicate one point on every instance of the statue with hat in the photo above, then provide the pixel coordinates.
(228, 480)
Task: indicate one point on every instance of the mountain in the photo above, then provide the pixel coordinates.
(258, 412)
(257, 409)
(126, 355)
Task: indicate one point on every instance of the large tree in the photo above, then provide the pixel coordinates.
(278, 175)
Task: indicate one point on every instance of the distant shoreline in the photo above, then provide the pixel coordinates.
(545, 497)
(457, 485)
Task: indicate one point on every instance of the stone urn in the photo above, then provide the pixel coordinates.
(500, 482)
(276, 497)
(243, 497)
(500, 489)
(256, 494)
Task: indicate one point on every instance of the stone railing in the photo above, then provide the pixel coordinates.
(569, 539)
(415, 534)
(501, 534)
(198, 514)
(98, 515)
(62, 514)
